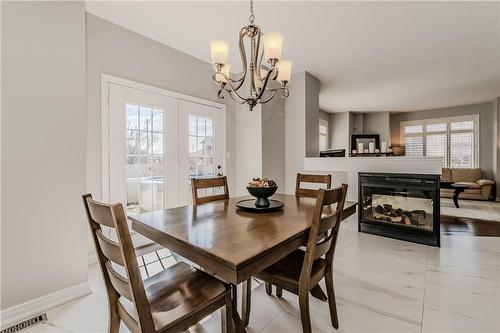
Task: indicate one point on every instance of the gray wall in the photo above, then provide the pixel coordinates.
(340, 131)
(496, 155)
(312, 114)
(114, 50)
(44, 232)
(295, 130)
(486, 113)
(378, 123)
(273, 142)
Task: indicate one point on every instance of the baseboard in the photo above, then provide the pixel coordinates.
(17, 313)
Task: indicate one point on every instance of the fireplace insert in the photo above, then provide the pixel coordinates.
(402, 206)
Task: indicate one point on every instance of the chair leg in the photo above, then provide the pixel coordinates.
(246, 301)
(305, 316)
(269, 288)
(227, 315)
(331, 299)
(279, 292)
(114, 320)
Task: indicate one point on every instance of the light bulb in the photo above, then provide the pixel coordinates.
(284, 70)
(219, 51)
(273, 43)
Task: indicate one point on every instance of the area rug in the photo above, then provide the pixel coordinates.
(474, 209)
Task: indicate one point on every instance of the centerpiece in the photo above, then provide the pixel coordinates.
(261, 189)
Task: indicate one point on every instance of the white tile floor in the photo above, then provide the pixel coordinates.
(382, 285)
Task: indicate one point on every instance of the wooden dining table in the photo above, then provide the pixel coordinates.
(229, 243)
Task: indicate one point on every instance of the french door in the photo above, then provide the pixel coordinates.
(155, 144)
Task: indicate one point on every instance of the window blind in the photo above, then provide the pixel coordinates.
(452, 139)
(323, 135)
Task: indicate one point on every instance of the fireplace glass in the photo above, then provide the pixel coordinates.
(400, 206)
(397, 207)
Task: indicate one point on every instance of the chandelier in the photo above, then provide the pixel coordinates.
(265, 80)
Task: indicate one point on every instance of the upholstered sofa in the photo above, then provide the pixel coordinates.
(480, 188)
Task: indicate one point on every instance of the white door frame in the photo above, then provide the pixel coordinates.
(106, 80)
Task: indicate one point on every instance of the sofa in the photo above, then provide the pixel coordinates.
(480, 188)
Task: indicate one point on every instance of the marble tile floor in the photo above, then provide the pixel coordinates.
(382, 285)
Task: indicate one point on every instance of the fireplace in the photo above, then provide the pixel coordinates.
(402, 206)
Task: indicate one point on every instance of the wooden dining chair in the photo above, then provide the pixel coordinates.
(306, 178)
(170, 301)
(316, 291)
(301, 270)
(205, 183)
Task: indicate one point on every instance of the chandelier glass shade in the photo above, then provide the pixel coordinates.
(267, 73)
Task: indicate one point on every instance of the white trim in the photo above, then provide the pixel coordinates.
(17, 313)
(474, 117)
(106, 80)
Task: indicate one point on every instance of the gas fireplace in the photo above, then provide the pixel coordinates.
(401, 206)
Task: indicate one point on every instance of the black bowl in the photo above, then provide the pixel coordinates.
(262, 194)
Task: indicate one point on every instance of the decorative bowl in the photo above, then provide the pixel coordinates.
(262, 194)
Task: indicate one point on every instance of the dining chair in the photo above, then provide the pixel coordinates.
(170, 301)
(205, 183)
(301, 270)
(316, 291)
(307, 178)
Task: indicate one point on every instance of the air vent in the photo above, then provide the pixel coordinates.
(26, 324)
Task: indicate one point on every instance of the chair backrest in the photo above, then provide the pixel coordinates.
(120, 253)
(317, 179)
(325, 228)
(204, 183)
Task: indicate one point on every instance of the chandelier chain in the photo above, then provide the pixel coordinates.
(252, 15)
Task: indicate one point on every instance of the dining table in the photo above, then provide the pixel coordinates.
(230, 243)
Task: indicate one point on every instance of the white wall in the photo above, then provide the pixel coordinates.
(44, 232)
(114, 50)
(248, 146)
(273, 141)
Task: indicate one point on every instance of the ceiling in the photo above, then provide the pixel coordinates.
(368, 56)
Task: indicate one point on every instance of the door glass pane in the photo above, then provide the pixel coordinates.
(192, 125)
(201, 150)
(209, 127)
(144, 158)
(132, 116)
(145, 120)
(157, 120)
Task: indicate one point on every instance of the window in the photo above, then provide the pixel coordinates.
(144, 158)
(455, 140)
(323, 135)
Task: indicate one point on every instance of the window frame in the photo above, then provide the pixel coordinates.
(324, 123)
(448, 121)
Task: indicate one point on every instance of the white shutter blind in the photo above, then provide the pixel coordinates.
(414, 140)
(414, 145)
(436, 141)
(323, 135)
(452, 139)
(462, 150)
